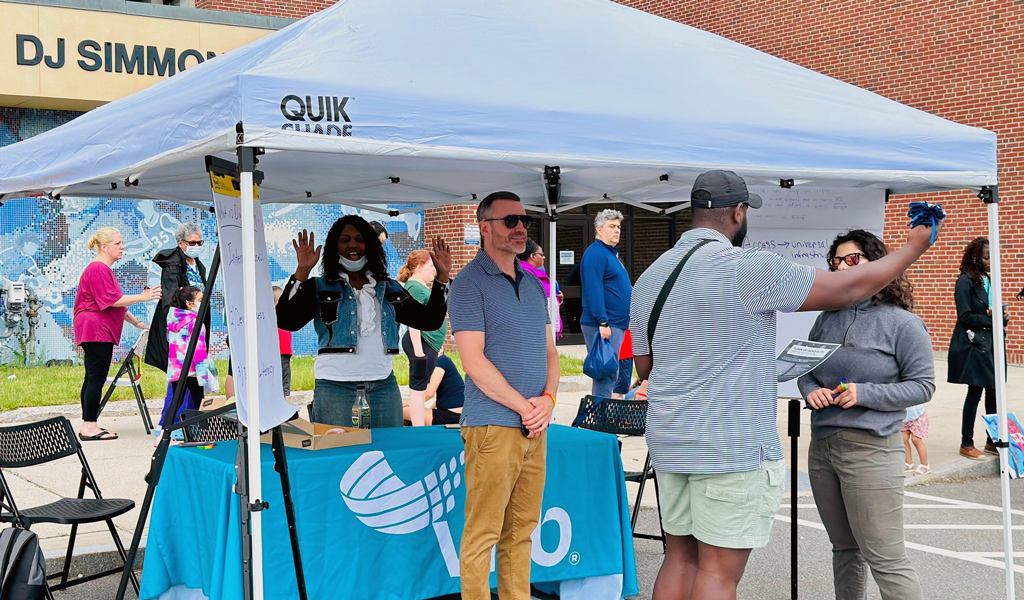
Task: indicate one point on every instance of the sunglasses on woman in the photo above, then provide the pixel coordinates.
(191, 243)
(511, 221)
(851, 260)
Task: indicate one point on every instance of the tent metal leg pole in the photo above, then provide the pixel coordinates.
(794, 437)
(553, 193)
(281, 465)
(991, 197)
(242, 489)
(157, 462)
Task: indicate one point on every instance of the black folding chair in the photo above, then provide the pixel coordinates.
(623, 418)
(134, 375)
(42, 442)
(214, 428)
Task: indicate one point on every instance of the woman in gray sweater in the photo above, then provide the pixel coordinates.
(859, 397)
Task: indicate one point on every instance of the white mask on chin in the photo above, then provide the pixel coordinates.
(352, 266)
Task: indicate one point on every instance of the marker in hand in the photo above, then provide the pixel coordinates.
(844, 384)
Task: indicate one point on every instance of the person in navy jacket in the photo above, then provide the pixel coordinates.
(606, 291)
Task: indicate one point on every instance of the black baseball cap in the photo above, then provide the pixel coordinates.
(721, 189)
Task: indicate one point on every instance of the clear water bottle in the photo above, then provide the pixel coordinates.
(361, 409)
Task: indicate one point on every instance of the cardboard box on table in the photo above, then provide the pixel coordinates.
(300, 433)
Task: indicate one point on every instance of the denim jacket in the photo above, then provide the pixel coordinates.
(331, 305)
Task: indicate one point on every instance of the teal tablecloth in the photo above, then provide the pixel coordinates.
(380, 521)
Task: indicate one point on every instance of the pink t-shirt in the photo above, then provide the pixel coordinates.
(96, 319)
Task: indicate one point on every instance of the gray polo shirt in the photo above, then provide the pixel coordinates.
(713, 391)
(513, 316)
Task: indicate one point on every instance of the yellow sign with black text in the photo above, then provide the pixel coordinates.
(76, 59)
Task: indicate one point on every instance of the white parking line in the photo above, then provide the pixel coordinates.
(990, 559)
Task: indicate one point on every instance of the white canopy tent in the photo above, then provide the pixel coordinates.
(376, 104)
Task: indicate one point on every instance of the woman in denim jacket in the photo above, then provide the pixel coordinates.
(356, 309)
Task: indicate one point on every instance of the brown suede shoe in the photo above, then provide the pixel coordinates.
(971, 452)
(989, 448)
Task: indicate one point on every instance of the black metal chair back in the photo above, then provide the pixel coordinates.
(628, 418)
(619, 417)
(37, 443)
(42, 442)
(212, 429)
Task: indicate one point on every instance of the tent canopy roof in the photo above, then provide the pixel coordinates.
(458, 97)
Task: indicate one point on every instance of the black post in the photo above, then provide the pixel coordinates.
(157, 462)
(242, 489)
(281, 466)
(794, 435)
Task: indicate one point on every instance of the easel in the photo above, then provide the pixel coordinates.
(134, 375)
(241, 468)
(794, 435)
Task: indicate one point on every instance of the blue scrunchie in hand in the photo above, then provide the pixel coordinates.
(925, 213)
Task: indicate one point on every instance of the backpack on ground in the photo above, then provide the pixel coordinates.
(22, 565)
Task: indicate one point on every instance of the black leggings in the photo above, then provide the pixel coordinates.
(420, 367)
(971, 413)
(97, 366)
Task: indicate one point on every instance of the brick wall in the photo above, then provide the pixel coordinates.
(449, 222)
(289, 9)
(959, 60)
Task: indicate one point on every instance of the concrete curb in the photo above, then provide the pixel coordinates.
(94, 559)
(959, 470)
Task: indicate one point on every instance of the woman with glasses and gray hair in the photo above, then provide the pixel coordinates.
(179, 267)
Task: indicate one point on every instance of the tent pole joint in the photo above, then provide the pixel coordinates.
(989, 194)
(786, 184)
(258, 505)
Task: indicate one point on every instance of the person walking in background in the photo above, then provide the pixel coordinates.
(971, 352)
(713, 398)
(915, 430)
(179, 267)
(859, 398)
(99, 312)
(606, 291)
(284, 341)
(500, 320)
(422, 347)
(532, 261)
(356, 310)
(202, 373)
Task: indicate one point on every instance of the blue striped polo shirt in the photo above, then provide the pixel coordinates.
(513, 316)
(713, 392)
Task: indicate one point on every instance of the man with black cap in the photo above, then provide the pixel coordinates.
(709, 354)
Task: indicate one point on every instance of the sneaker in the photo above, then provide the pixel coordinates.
(989, 448)
(971, 452)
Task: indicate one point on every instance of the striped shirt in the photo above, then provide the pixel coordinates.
(713, 390)
(513, 316)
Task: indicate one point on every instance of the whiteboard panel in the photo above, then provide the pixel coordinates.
(800, 225)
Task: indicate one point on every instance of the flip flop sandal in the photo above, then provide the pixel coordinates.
(102, 436)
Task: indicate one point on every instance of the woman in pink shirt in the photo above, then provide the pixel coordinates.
(100, 311)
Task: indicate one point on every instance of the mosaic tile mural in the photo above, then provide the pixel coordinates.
(42, 245)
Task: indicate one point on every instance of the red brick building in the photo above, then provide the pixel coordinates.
(960, 60)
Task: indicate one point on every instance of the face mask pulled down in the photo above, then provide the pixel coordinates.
(352, 266)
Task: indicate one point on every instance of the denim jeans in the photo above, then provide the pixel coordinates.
(603, 387)
(333, 400)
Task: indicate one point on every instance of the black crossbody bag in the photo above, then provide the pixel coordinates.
(652, 322)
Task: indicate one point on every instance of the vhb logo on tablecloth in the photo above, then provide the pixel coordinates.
(382, 501)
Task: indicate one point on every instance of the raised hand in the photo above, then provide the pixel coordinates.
(307, 254)
(441, 255)
(921, 236)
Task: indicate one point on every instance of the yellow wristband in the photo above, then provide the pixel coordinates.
(554, 401)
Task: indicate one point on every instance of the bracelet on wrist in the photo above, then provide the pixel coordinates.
(554, 401)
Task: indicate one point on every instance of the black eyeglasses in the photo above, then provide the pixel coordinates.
(191, 243)
(851, 260)
(511, 221)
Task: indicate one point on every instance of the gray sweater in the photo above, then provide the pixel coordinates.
(887, 352)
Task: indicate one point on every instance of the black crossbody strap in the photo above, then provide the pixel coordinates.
(652, 322)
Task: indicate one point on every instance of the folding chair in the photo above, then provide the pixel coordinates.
(623, 418)
(215, 428)
(137, 351)
(42, 442)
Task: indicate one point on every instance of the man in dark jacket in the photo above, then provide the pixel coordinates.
(179, 266)
(606, 292)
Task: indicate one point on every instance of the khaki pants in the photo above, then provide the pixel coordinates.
(857, 480)
(504, 489)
